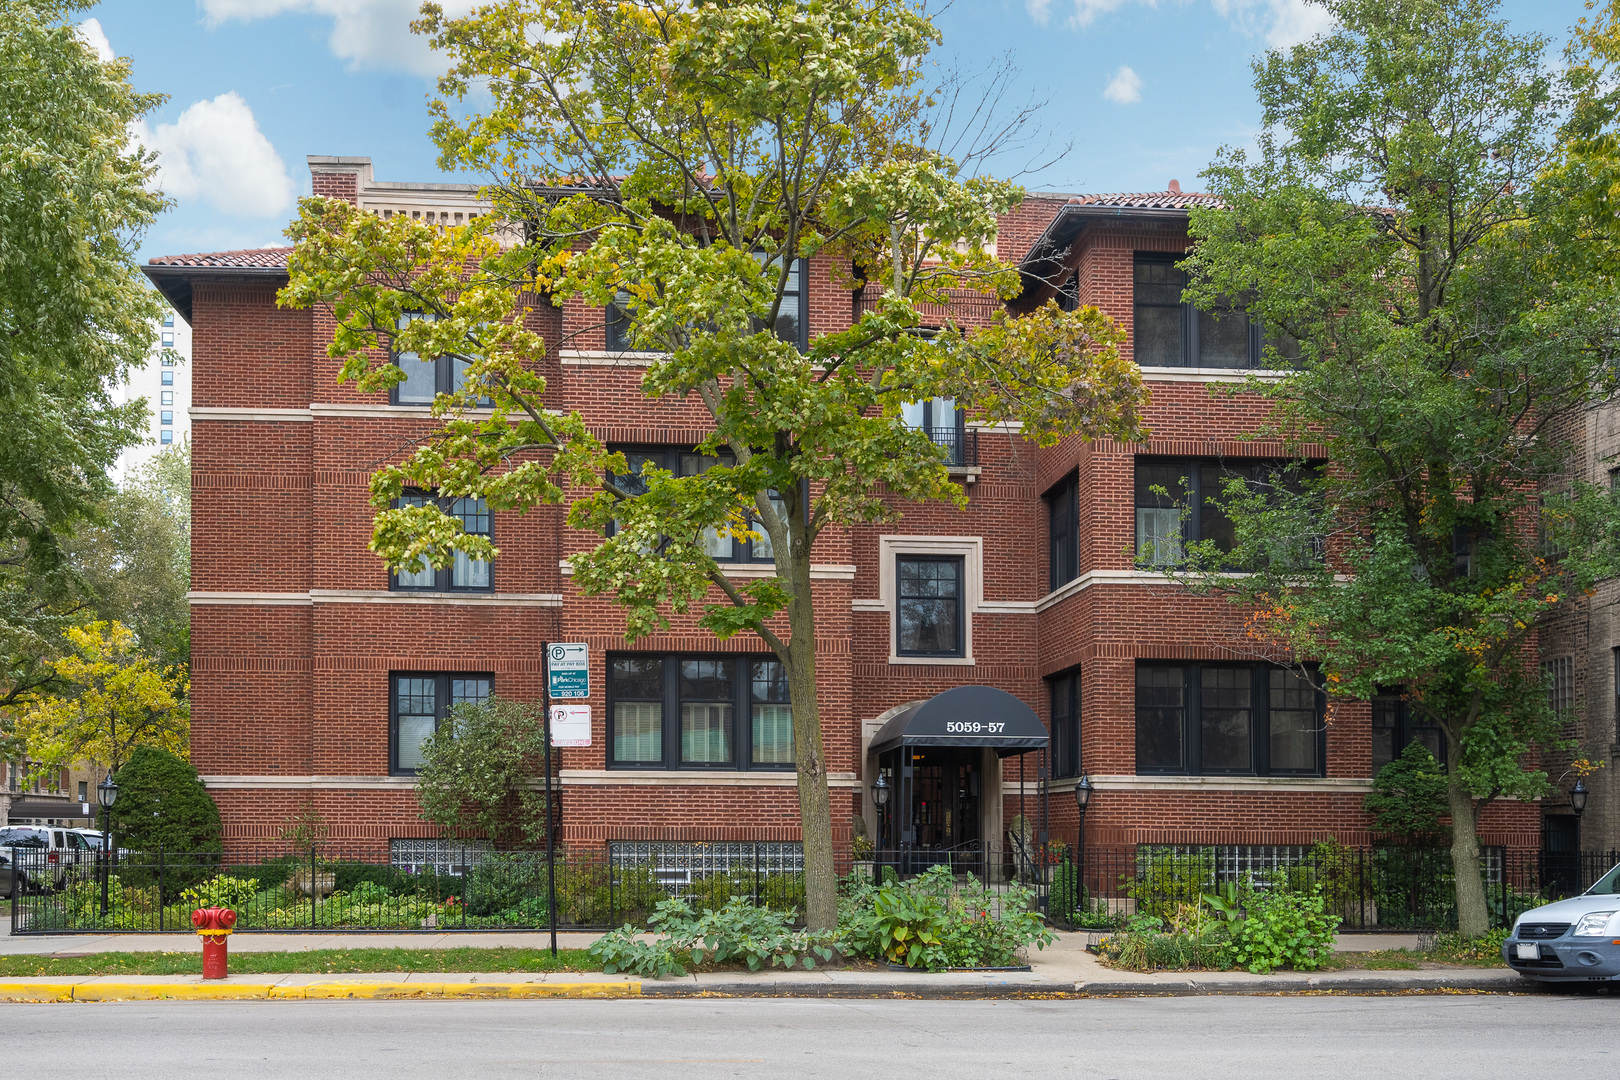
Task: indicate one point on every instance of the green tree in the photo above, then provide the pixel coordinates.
(477, 773)
(115, 698)
(134, 565)
(689, 155)
(162, 804)
(1408, 798)
(1408, 224)
(75, 313)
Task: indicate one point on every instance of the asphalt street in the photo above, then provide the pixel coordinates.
(1434, 1037)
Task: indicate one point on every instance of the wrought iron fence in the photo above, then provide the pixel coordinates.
(470, 887)
(1389, 888)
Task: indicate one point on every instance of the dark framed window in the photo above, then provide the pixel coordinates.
(1178, 501)
(620, 314)
(1394, 727)
(687, 462)
(793, 316)
(166, 378)
(945, 424)
(1559, 675)
(929, 596)
(1170, 333)
(1228, 719)
(419, 703)
(1065, 723)
(682, 712)
(427, 379)
(1063, 533)
(465, 574)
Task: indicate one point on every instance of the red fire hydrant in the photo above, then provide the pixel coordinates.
(213, 926)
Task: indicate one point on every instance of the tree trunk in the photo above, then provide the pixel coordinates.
(1473, 918)
(815, 808)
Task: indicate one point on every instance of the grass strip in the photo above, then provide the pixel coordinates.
(313, 962)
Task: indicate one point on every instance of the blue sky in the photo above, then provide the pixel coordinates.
(1145, 90)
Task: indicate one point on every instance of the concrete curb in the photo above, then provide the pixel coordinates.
(106, 991)
(1467, 983)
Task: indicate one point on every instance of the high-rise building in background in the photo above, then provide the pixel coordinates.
(165, 383)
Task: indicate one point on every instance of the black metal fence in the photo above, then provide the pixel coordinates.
(473, 888)
(1390, 888)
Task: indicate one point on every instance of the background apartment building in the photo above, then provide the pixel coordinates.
(165, 383)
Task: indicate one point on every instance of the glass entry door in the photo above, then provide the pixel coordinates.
(943, 810)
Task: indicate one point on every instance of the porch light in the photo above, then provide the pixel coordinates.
(1577, 796)
(1082, 793)
(107, 792)
(880, 792)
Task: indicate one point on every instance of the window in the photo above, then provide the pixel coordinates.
(930, 608)
(168, 320)
(1394, 727)
(84, 786)
(1231, 719)
(464, 574)
(680, 712)
(720, 547)
(792, 317)
(167, 378)
(1560, 677)
(943, 421)
(1066, 724)
(1179, 502)
(165, 436)
(420, 704)
(620, 314)
(1063, 533)
(166, 397)
(168, 341)
(167, 360)
(166, 416)
(1170, 333)
(426, 379)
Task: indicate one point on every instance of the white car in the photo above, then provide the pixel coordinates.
(45, 856)
(1574, 940)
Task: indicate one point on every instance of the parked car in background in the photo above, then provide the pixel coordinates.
(94, 838)
(23, 885)
(1574, 940)
(46, 855)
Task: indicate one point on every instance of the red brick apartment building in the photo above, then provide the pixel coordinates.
(316, 674)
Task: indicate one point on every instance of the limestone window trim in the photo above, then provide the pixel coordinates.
(970, 549)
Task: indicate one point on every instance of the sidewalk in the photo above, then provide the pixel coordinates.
(1064, 969)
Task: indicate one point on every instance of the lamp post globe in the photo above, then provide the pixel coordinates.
(1577, 796)
(880, 792)
(107, 792)
(1082, 793)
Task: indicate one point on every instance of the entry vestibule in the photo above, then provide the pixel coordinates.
(942, 760)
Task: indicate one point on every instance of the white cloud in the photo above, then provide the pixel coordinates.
(1124, 88)
(1281, 22)
(95, 37)
(367, 33)
(216, 152)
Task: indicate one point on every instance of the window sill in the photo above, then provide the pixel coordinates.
(603, 358)
(1173, 783)
(1211, 375)
(945, 661)
(633, 776)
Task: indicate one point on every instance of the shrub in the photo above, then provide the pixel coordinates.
(737, 932)
(1166, 878)
(1282, 929)
(222, 891)
(162, 804)
(1455, 947)
(930, 921)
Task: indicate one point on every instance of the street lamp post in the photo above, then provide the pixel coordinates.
(1082, 799)
(880, 799)
(1577, 803)
(106, 794)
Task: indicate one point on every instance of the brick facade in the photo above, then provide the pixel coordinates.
(295, 631)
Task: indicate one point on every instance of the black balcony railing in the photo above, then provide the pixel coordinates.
(961, 446)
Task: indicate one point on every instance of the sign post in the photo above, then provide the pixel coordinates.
(551, 840)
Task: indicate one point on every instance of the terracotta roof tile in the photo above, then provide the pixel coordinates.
(248, 259)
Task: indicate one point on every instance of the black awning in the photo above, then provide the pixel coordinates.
(62, 809)
(966, 716)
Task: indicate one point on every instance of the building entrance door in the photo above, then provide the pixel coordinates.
(944, 803)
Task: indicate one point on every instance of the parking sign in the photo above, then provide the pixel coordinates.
(568, 669)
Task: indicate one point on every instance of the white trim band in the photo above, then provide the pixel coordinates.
(374, 596)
